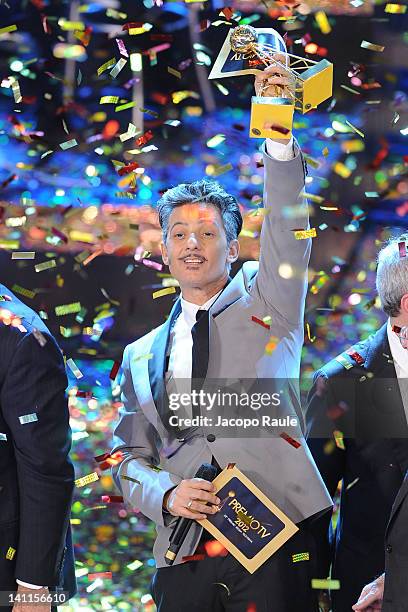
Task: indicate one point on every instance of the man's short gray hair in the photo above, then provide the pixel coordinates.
(392, 276)
(207, 192)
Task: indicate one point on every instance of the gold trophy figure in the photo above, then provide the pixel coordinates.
(248, 50)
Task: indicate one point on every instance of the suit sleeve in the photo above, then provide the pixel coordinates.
(140, 444)
(329, 459)
(35, 385)
(285, 209)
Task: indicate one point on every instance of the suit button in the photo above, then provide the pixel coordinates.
(211, 438)
(388, 548)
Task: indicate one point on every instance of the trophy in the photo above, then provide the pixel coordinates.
(248, 50)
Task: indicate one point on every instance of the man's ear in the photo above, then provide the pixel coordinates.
(233, 251)
(404, 304)
(164, 254)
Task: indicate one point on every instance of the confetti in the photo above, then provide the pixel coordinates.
(106, 65)
(402, 249)
(28, 418)
(304, 234)
(371, 46)
(3, 437)
(112, 499)
(353, 127)
(10, 28)
(65, 309)
(109, 100)
(10, 553)
(45, 265)
(260, 322)
(39, 337)
(174, 72)
(344, 362)
(124, 477)
(290, 440)
(99, 575)
(121, 63)
(85, 480)
(74, 368)
(300, 557)
(23, 255)
(162, 292)
(323, 22)
(26, 292)
(333, 585)
(114, 370)
(395, 8)
(68, 144)
(338, 438)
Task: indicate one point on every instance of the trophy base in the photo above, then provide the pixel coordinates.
(271, 117)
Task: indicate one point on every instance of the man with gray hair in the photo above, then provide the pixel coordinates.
(358, 434)
(217, 329)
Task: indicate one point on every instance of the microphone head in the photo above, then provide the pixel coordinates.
(206, 471)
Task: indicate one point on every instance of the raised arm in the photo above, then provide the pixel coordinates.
(139, 441)
(282, 278)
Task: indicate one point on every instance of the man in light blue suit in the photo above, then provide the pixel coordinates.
(201, 224)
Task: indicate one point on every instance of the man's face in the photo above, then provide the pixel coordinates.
(196, 249)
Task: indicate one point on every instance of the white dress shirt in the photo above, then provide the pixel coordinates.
(400, 358)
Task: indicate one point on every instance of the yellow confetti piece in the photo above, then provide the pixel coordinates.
(45, 265)
(109, 100)
(15, 87)
(26, 292)
(162, 292)
(217, 170)
(134, 565)
(82, 482)
(77, 236)
(124, 477)
(69, 26)
(271, 345)
(303, 234)
(10, 28)
(222, 89)
(371, 46)
(325, 151)
(10, 553)
(313, 198)
(146, 356)
(323, 22)
(300, 557)
(122, 107)
(333, 585)
(68, 144)
(308, 333)
(338, 438)
(395, 8)
(23, 255)
(353, 127)
(106, 65)
(65, 309)
(342, 170)
(174, 72)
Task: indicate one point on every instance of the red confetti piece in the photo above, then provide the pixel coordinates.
(291, 441)
(132, 25)
(213, 548)
(59, 234)
(402, 248)
(145, 138)
(112, 499)
(166, 37)
(128, 168)
(260, 322)
(85, 394)
(114, 370)
(227, 12)
(280, 128)
(355, 356)
(99, 575)
(8, 180)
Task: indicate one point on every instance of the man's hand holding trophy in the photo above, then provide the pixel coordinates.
(283, 82)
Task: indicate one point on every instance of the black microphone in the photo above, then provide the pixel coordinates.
(206, 471)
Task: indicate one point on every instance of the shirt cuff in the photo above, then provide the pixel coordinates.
(28, 585)
(278, 150)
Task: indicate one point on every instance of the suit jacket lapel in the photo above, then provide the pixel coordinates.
(402, 493)
(157, 367)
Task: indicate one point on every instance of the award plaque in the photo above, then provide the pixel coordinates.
(248, 50)
(248, 524)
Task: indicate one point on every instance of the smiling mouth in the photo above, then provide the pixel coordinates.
(193, 260)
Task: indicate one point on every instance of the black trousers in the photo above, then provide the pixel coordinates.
(222, 584)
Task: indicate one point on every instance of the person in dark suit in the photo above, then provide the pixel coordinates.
(36, 475)
(359, 399)
(389, 592)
